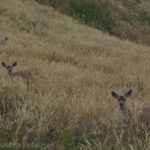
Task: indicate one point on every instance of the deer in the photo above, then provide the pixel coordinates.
(129, 125)
(122, 105)
(25, 75)
(144, 115)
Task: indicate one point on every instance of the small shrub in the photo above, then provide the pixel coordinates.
(42, 1)
(128, 85)
(140, 85)
(92, 13)
(66, 140)
(144, 17)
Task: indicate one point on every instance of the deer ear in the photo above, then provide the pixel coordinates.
(14, 64)
(114, 95)
(3, 64)
(128, 93)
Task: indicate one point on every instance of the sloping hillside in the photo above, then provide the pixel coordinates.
(126, 19)
(74, 68)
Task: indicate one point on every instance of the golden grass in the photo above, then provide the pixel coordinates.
(74, 67)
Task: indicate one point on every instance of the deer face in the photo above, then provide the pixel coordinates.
(122, 99)
(9, 67)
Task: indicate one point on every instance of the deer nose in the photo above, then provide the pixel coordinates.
(9, 70)
(121, 105)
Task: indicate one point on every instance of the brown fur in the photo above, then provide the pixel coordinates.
(144, 116)
(25, 75)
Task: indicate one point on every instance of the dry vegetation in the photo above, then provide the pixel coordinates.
(74, 69)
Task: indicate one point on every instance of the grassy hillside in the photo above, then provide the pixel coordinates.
(67, 104)
(126, 19)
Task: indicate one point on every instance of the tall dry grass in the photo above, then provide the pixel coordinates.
(74, 69)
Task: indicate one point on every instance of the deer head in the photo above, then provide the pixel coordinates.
(122, 99)
(9, 67)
